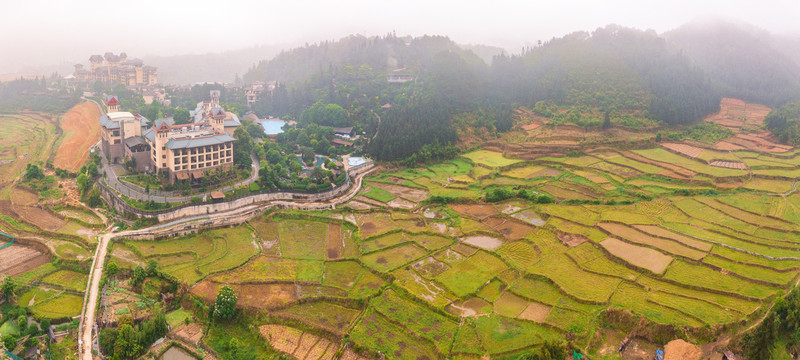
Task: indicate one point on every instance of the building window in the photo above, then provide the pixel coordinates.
(163, 148)
(194, 159)
(163, 165)
(200, 165)
(116, 141)
(163, 156)
(194, 166)
(184, 167)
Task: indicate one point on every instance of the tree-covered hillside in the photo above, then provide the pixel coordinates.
(743, 61)
(613, 69)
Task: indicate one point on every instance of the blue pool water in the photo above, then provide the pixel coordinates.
(355, 161)
(273, 127)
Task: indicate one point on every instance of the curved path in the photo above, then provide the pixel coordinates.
(85, 335)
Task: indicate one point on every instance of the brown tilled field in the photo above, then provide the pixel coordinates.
(535, 312)
(300, 345)
(684, 149)
(511, 229)
(81, 131)
(259, 296)
(17, 259)
(476, 211)
(729, 164)
(637, 255)
(334, 245)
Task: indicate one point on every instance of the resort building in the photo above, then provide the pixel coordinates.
(187, 152)
(206, 111)
(116, 69)
(182, 152)
(118, 133)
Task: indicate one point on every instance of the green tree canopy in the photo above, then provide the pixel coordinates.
(225, 306)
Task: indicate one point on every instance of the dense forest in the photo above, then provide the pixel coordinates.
(785, 123)
(614, 69)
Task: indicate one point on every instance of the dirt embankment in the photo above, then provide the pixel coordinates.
(81, 131)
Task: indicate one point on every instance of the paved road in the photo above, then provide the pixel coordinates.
(93, 286)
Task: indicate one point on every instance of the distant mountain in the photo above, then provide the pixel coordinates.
(742, 61)
(219, 67)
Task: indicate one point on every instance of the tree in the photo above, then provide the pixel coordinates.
(152, 267)
(126, 345)
(181, 116)
(82, 180)
(33, 171)
(138, 275)
(45, 324)
(112, 268)
(8, 287)
(225, 306)
(607, 119)
(10, 342)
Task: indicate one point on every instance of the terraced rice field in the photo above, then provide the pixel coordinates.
(663, 235)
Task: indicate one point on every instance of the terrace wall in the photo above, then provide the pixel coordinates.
(301, 201)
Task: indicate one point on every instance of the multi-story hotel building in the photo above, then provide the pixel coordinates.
(182, 152)
(117, 69)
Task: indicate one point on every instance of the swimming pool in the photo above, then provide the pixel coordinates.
(273, 127)
(355, 161)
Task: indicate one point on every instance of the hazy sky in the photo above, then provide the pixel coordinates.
(38, 33)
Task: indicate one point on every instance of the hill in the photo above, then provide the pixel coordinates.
(743, 61)
(618, 71)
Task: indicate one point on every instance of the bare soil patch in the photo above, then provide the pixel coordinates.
(483, 242)
(357, 205)
(476, 211)
(334, 244)
(191, 333)
(81, 131)
(639, 256)
(571, 240)
(683, 149)
(729, 164)
(43, 219)
(681, 350)
(512, 230)
(400, 203)
(535, 312)
(17, 259)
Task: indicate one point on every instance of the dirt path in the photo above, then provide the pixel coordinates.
(81, 131)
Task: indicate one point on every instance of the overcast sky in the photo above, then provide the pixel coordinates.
(38, 33)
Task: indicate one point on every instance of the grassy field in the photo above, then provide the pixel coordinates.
(67, 279)
(489, 158)
(191, 258)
